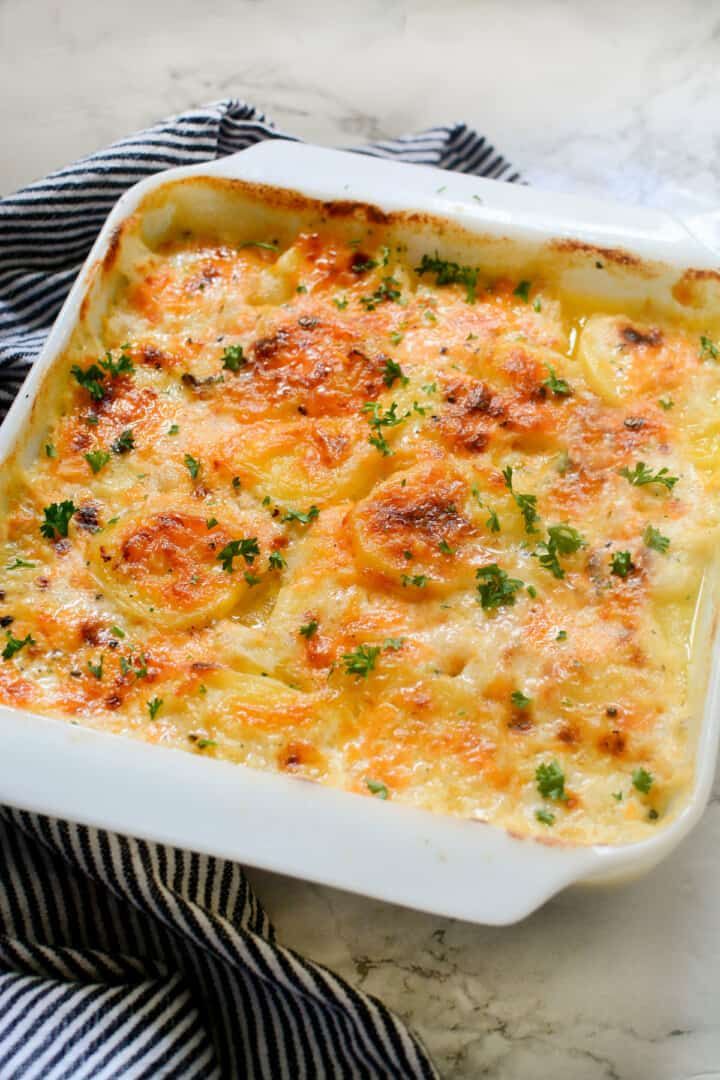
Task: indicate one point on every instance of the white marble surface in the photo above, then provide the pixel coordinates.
(618, 98)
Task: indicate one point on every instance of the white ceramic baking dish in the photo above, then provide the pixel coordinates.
(435, 863)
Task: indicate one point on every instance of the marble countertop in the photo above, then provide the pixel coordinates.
(618, 99)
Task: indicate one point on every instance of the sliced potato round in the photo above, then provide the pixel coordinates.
(412, 529)
(164, 562)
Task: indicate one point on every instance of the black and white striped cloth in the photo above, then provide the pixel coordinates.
(120, 958)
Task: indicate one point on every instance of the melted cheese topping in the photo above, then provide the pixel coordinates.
(294, 541)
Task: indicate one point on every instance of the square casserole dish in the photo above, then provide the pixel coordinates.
(441, 864)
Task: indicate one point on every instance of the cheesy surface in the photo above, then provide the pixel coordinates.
(399, 527)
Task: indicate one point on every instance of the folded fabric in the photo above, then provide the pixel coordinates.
(121, 958)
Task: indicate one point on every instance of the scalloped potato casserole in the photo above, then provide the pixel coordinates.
(400, 525)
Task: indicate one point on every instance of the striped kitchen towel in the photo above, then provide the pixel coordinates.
(125, 959)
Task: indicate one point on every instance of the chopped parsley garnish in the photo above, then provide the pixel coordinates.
(493, 521)
(340, 302)
(211, 523)
(264, 244)
(14, 645)
(708, 349)
(91, 380)
(617, 796)
(236, 483)
(537, 304)
(361, 661)
(527, 504)
(245, 549)
(445, 548)
(309, 629)
(642, 780)
(153, 706)
(124, 442)
(562, 540)
(545, 817)
(117, 632)
(96, 459)
(19, 564)
(396, 337)
(50, 450)
(418, 580)
(123, 366)
(192, 465)
(666, 403)
(561, 635)
(551, 781)
(377, 788)
(520, 700)
(495, 588)
(304, 517)
(450, 273)
(96, 669)
(559, 387)
(57, 519)
(621, 564)
(173, 429)
(276, 561)
(523, 291)
(378, 419)
(654, 539)
(641, 475)
(392, 372)
(361, 266)
(301, 288)
(388, 290)
(252, 579)
(233, 358)
(205, 744)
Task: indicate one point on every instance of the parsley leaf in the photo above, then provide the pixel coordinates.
(450, 273)
(621, 564)
(396, 337)
(654, 539)
(378, 419)
(418, 580)
(387, 290)
(124, 442)
(50, 450)
(393, 371)
(57, 519)
(309, 629)
(520, 700)
(546, 817)
(642, 780)
(276, 561)
(496, 589)
(96, 669)
(550, 781)
(264, 244)
(708, 349)
(559, 387)
(340, 302)
(361, 661)
(19, 564)
(123, 366)
(96, 459)
(641, 475)
(91, 380)
(192, 465)
(523, 291)
(252, 579)
(14, 645)
(304, 517)
(527, 504)
(246, 549)
(666, 403)
(233, 358)
(445, 548)
(153, 706)
(377, 788)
